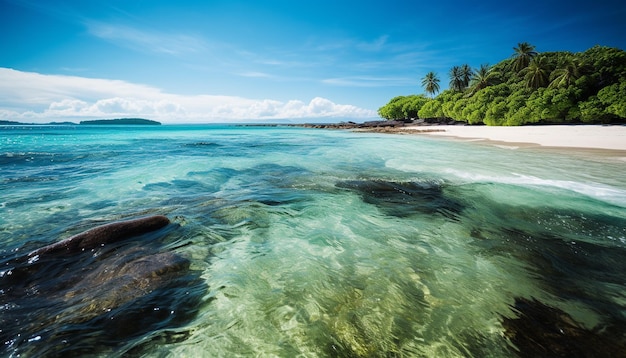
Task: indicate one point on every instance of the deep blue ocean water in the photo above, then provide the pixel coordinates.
(308, 242)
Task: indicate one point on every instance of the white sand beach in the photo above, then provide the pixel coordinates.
(611, 137)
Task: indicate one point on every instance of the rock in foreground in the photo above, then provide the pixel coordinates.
(96, 291)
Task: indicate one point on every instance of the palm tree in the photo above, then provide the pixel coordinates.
(566, 75)
(481, 78)
(430, 82)
(536, 74)
(456, 78)
(467, 73)
(524, 53)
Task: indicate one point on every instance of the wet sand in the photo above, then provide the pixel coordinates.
(612, 137)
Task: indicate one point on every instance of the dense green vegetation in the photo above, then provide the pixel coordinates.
(529, 87)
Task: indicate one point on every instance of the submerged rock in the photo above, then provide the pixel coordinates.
(102, 235)
(543, 331)
(96, 291)
(122, 281)
(572, 255)
(405, 198)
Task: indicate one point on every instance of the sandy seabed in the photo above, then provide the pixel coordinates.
(610, 137)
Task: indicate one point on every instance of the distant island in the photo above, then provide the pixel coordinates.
(133, 121)
(14, 123)
(117, 121)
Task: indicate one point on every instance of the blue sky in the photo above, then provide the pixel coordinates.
(229, 60)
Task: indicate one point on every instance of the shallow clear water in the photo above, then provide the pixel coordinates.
(310, 242)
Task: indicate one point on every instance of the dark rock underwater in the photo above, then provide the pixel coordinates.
(538, 330)
(97, 290)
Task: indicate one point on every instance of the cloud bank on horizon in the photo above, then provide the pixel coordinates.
(38, 98)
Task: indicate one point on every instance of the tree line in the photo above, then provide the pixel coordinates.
(528, 87)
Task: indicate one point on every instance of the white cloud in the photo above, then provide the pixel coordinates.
(43, 98)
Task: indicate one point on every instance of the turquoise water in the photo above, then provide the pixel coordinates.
(309, 243)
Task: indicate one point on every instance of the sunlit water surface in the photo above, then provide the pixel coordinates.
(318, 243)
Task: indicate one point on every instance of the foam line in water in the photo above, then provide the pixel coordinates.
(594, 190)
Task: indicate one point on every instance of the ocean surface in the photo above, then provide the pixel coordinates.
(294, 242)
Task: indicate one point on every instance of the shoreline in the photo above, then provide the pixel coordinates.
(601, 137)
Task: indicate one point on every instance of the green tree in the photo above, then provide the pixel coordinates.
(430, 82)
(495, 115)
(402, 107)
(614, 98)
(518, 111)
(481, 78)
(554, 104)
(524, 53)
(453, 104)
(432, 109)
(467, 73)
(593, 110)
(606, 65)
(393, 109)
(457, 82)
(412, 104)
(536, 74)
(565, 75)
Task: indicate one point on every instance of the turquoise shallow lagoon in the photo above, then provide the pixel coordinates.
(313, 243)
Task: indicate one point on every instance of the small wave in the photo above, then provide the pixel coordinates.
(510, 147)
(594, 190)
(202, 144)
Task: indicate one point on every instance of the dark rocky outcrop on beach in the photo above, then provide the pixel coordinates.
(544, 331)
(353, 125)
(382, 126)
(96, 290)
